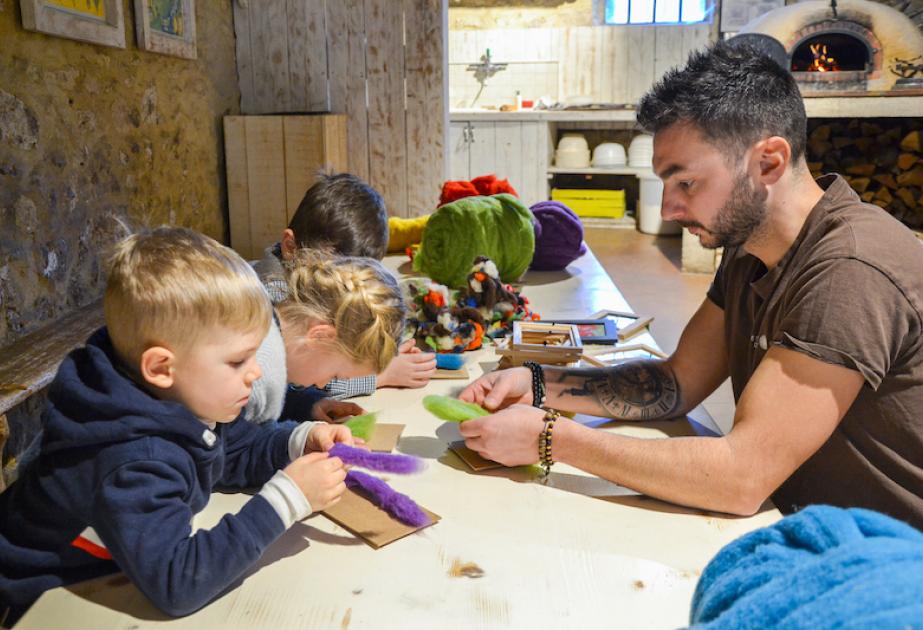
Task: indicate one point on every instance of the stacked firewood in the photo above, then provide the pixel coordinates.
(881, 158)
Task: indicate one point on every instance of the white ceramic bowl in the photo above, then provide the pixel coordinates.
(573, 141)
(609, 154)
(572, 158)
(641, 150)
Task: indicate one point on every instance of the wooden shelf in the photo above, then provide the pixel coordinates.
(614, 170)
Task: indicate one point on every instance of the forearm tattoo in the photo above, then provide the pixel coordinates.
(637, 390)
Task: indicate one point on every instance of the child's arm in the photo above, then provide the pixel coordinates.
(254, 452)
(143, 516)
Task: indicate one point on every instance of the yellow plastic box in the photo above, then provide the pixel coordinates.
(592, 203)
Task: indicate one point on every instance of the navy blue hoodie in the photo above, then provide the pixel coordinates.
(135, 469)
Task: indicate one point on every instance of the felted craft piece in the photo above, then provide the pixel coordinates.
(822, 567)
(403, 233)
(443, 327)
(499, 304)
(452, 409)
(483, 185)
(558, 236)
(382, 462)
(362, 426)
(499, 227)
(398, 505)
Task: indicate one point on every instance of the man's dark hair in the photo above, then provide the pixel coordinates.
(734, 94)
(343, 213)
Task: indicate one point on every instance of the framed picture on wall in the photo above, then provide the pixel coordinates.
(166, 27)
(95, 21)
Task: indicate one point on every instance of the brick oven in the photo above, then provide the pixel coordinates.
(847, 48)
(864, 58)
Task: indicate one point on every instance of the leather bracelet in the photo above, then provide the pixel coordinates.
(538, 383)
(544, 442)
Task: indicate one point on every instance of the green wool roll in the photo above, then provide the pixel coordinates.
(362, 426)
(452, 409)
(499, 227)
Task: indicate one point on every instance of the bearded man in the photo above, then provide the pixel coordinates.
(814, 314)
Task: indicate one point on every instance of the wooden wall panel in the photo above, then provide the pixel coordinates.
(611, 64)
(426, 29)
(235, 158)
(266, 180)
(379, 62)
(384, 59)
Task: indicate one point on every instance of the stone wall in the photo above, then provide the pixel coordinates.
(93, 139)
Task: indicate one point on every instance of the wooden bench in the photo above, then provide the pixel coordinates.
(30, 363)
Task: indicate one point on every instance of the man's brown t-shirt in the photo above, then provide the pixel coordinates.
(848, 292)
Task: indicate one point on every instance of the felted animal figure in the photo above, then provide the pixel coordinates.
(428, 299)
(498, 303)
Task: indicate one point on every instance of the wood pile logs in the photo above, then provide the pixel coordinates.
(881, 158)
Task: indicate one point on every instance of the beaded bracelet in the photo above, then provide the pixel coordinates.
(538, 383)
(544, 442)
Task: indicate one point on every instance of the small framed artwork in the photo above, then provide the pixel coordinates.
(602, 331)
(95, 21)
(629, 324)
(166, 27)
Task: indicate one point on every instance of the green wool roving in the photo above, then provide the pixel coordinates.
(499, 227)
(362, 426)
(452, 409)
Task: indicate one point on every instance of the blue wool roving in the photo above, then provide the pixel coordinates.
(820, 568)
(448, 361)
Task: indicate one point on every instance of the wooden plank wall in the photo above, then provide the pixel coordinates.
(380, 62)
(611, 64)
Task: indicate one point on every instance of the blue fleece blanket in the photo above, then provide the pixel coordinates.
(820, 568)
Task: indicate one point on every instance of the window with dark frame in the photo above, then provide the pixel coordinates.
(658, 11)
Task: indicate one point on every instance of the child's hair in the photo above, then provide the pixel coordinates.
(168, 285)
(344, 214)
(357, 296)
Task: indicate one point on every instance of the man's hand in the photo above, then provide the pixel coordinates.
(509, 437)
(323, 436)
(320, 477)
(498, 390)
(410, 368)
(331, 410)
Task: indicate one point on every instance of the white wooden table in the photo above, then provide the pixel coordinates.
(574, 552)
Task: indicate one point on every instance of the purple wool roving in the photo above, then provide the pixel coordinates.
(383, 462)
(558, 236)
(398, 505)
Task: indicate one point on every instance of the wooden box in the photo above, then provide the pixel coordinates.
(546, 343)
(271, 161)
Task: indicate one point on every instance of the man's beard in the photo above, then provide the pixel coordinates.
(741, 216)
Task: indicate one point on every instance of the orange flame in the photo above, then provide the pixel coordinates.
(822, 62)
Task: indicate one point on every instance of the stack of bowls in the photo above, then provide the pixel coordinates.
(608, 154)
(573, 151)
(641, 151)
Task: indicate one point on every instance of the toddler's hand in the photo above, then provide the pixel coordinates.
(410, 368)
(320, 478)
(331, 410)
(323, 436)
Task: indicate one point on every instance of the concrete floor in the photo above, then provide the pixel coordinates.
(646, 269)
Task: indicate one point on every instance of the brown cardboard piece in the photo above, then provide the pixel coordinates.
(474, 461)
(385, 437)
(460, 373)
(369, 522)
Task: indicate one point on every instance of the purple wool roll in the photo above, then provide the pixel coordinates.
(558, 236)
(398, 505)
(383, 462)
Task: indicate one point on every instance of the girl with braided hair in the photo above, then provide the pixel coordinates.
(341, 317)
